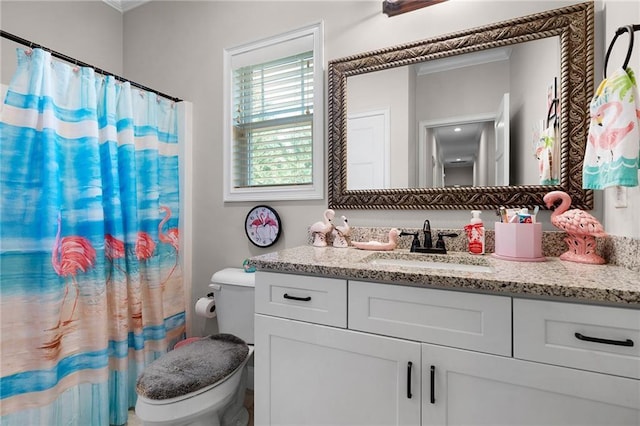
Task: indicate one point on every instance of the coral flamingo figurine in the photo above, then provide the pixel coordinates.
(71, 255)
(319, 230)
(341, 233)
(379, 246)
(580, 226)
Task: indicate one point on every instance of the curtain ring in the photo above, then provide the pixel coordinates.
(619, 32)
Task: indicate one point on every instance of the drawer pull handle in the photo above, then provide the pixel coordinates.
(433, 384)
(627, 342)
(302, 299)
(409, 365)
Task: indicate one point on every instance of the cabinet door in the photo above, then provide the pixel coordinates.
(478, 389)
(307, 374)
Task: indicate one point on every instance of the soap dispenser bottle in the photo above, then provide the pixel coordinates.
(475, 233)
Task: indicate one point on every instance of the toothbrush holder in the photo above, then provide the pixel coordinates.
(519, 241)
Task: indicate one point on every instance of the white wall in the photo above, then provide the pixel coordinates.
(90, 31)
(529, 102)
(462, 92)
(176, 47)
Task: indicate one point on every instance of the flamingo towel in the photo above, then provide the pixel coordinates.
(548, 154)
(613, 145)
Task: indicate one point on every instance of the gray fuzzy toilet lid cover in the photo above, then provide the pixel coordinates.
(192, 367)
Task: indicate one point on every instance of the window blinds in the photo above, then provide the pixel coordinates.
(273, 122)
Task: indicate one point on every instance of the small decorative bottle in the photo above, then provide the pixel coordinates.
(475, 233)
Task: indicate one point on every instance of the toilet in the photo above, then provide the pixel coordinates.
(219, 403)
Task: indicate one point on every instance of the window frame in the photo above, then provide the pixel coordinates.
(312, 191)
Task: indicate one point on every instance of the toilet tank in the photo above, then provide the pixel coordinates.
(233, 290)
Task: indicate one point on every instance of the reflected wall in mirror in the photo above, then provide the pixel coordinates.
(447, 100)
(392, 115)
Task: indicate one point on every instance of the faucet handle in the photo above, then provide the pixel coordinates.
(440, 243)
(415, 243)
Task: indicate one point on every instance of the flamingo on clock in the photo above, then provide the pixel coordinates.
(262, 226)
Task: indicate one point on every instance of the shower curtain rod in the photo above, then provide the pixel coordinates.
(59, 55)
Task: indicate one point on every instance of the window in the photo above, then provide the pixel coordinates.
(273, 135)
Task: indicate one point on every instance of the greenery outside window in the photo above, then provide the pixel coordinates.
(273, 118)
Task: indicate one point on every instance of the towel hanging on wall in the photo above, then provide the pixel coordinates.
(612, 155)
(548, 149)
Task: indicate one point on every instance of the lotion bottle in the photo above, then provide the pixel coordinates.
(475, 233)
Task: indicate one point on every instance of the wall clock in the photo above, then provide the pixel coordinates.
(263, 226)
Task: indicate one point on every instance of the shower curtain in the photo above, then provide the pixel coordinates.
(91, 287)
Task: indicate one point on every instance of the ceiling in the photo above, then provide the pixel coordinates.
(459, 148)
(125, 5)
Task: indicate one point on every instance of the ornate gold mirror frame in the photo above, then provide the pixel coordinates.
(575, 27)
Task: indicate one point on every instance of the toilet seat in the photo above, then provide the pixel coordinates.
(190, 368)
(220, 383)
(203, 403)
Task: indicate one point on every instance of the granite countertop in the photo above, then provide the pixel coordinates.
(556, 279)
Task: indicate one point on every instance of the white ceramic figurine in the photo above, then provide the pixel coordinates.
(320, 229)
(341, 234)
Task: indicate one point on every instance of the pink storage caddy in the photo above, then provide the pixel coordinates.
(519, 241)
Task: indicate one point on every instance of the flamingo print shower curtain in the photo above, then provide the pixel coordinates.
(91, 286)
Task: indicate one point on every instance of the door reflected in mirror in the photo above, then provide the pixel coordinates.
(401, 121)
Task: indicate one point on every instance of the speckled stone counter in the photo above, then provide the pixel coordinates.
(555, 279)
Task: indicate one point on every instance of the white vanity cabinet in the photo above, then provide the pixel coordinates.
(462, 387)
(311, 370)
(400, 355)
(308, 374)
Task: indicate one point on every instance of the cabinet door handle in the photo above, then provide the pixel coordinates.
(302, 299)
(627, 342)
(409, 365)
(433, 384)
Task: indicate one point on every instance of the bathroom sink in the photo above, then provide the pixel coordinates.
(450, 262)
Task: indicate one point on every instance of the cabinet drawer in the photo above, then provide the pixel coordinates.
(595, 338)
(305, 298)
(470, 321)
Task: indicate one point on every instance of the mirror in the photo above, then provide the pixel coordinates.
(384, 153)
(458, 139)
